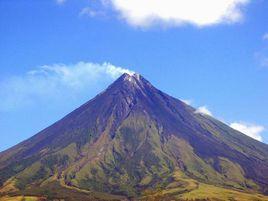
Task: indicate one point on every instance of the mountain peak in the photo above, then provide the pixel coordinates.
(137, 136)
(133, 79)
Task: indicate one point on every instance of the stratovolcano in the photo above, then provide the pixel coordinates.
(133, 141)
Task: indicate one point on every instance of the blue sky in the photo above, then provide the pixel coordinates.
(57, 54)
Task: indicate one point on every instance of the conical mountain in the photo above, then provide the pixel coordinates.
(135, 142)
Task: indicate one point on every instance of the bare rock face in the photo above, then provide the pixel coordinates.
(130, 139)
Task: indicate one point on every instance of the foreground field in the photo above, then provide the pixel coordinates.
(180, 188)
(22, 198)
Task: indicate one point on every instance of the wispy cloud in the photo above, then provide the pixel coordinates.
(145, 13)
(265, 36)
(60, 2)
(87, 11)
(251, 130)
(57, 81)
(187, 101)
(203, 110)
(262, 57)
(264, 61)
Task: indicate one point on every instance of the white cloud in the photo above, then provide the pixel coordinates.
(251, 130)
(145, 13)
(60, 2)
(203, 110)
(55, 81)
(265, 36)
